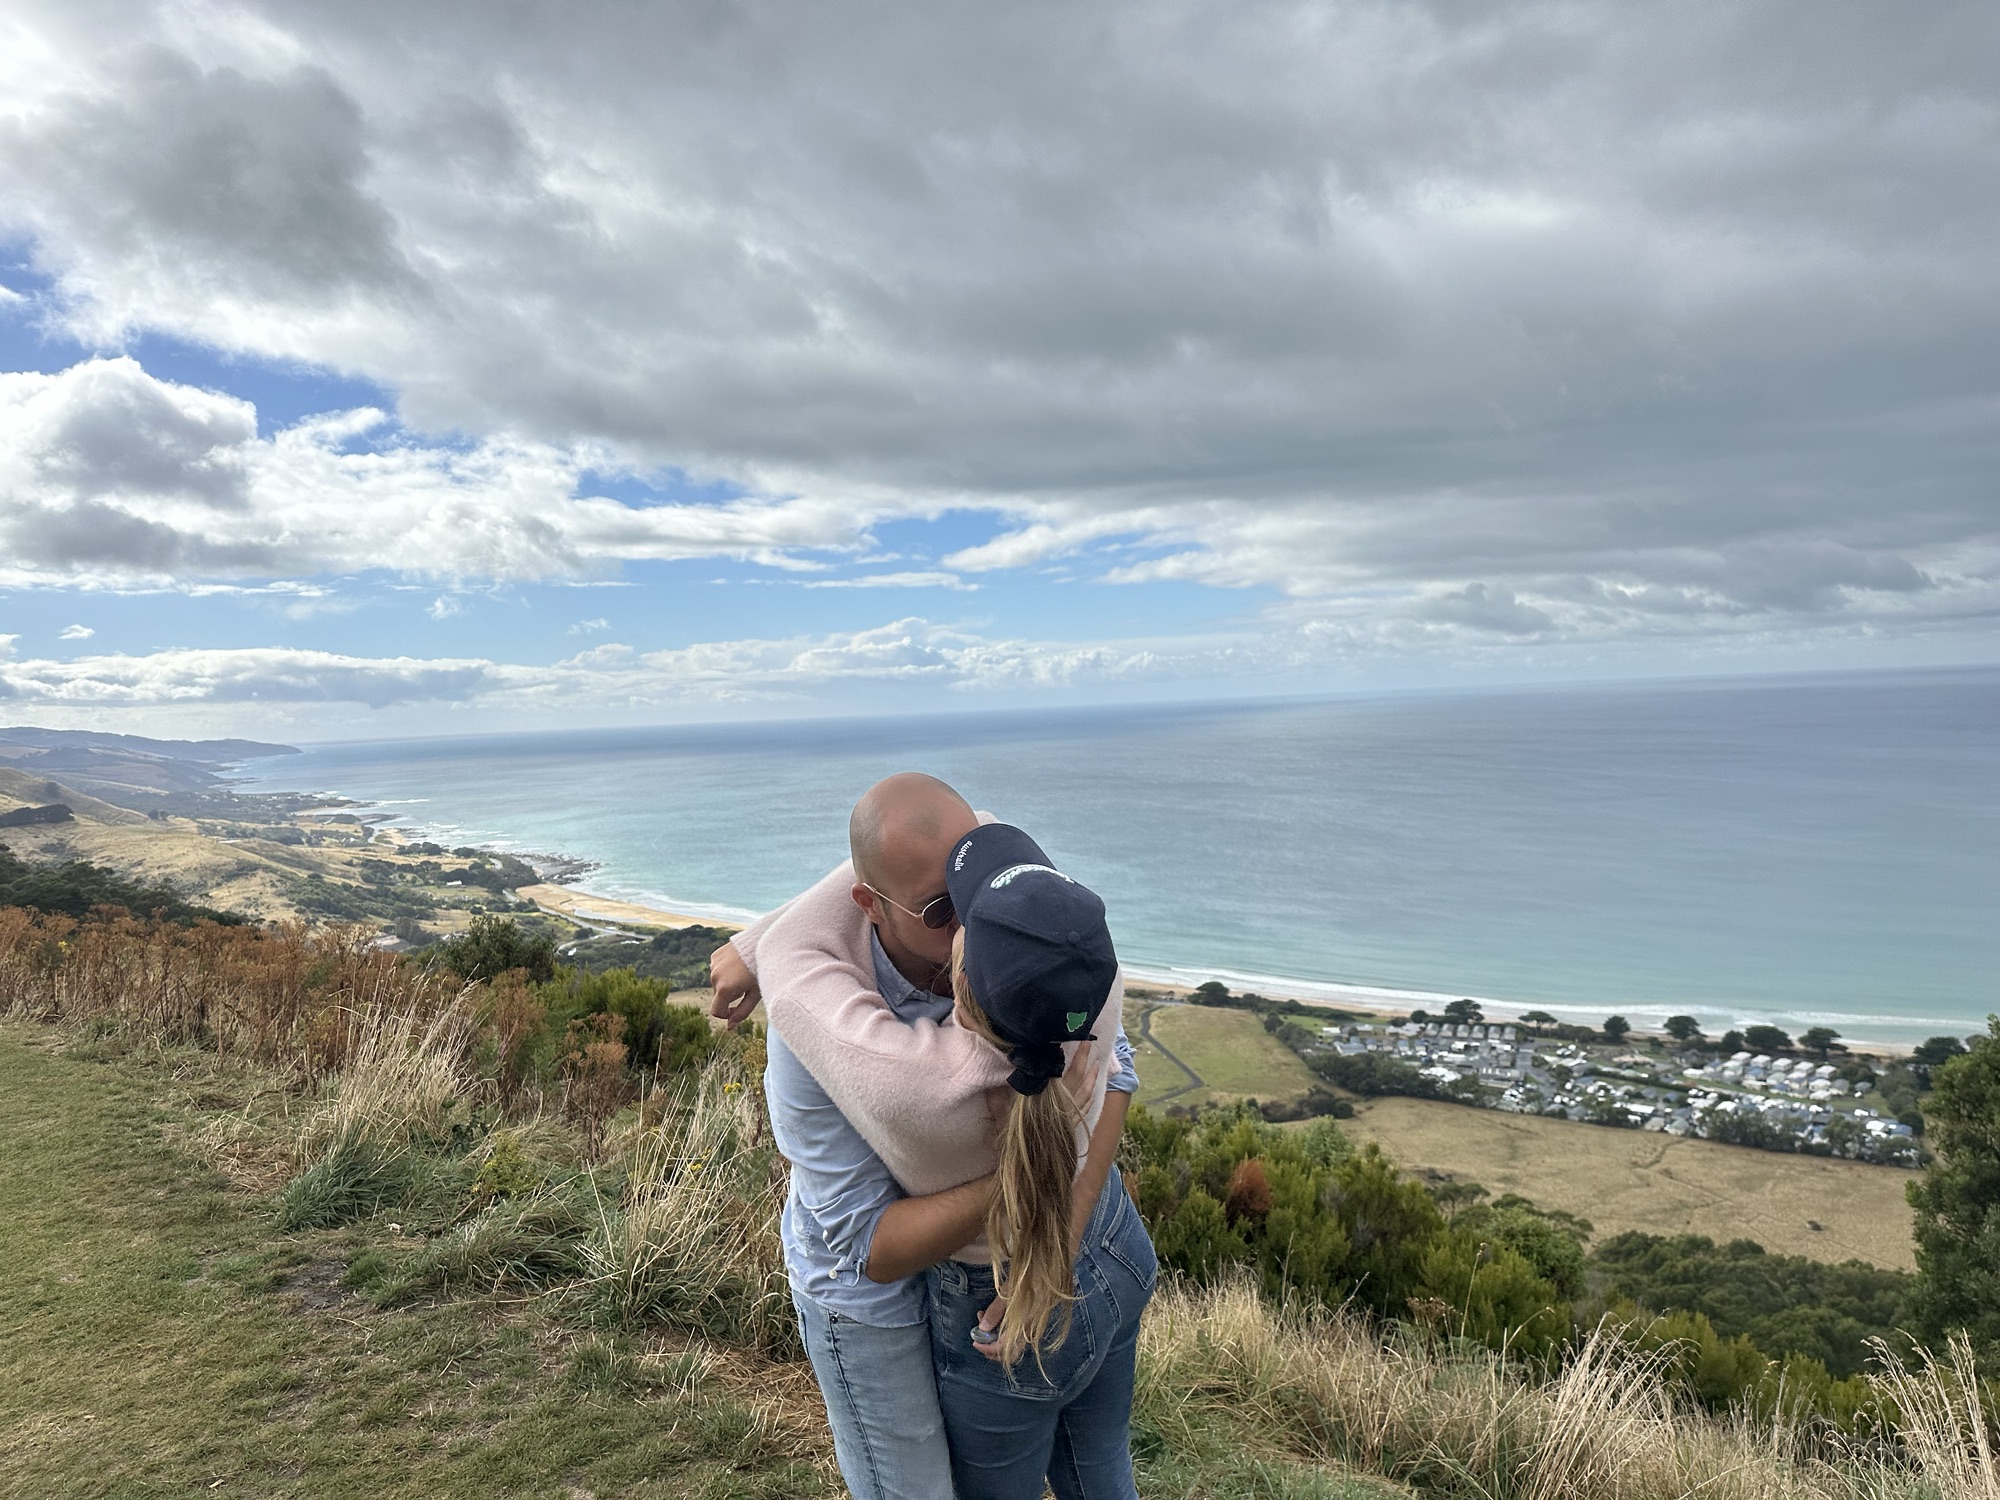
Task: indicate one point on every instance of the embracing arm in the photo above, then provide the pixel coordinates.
(892, 1078)
(914, 1234)
(732, 971)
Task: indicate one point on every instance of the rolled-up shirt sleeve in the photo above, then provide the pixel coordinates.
(1126, 1078)
(840, 1187)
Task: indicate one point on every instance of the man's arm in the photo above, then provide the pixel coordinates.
(914, 1234)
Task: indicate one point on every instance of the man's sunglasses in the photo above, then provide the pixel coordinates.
(937, 912)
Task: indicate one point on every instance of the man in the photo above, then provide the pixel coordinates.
(854, 1242)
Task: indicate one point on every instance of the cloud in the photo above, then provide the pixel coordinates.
(110, 476)
(931, 580)
(807, 668)
(76, 633)
(1520, 320)
(590, 627)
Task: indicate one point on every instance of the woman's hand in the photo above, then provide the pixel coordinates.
(989, 1323)
(736, 991)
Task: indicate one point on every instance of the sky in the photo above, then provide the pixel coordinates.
(376, 369)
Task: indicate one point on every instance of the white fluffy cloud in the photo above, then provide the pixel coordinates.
(912, 652)
(110, 476)
(1532, 321)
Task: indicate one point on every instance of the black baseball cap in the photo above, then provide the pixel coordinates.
(1037, 951)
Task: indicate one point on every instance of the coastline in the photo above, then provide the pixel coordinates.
(568, 891)
(580, 904)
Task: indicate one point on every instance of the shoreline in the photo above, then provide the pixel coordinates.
(563, 893)
(583, 905)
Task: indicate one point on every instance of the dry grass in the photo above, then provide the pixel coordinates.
(695, 1242)
(1605, 1427)
(284, 996)
(405, 1082)
(1629, 1179)
(676, 1228)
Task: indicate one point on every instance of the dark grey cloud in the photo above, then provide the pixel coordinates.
(253, 184)
(1554, 318)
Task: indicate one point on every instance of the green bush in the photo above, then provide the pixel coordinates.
(74, 889)
(1315, 1219)
(658, 1033)
(1785, 1304)
(1957, 1202)
(492, 947)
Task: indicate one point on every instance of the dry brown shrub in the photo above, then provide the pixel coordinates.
(281, 995)
(594, 1081)
(1249, 1194)
(514, 1019)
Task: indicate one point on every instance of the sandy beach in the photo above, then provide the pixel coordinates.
(585, 906)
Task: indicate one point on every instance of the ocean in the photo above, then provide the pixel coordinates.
(1817, 850)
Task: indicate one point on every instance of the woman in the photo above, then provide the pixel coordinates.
(1035, 1343)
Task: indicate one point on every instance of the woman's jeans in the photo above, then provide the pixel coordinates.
(1068, 1418)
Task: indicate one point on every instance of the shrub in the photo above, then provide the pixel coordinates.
(78, 888)
(492, 946)
(593, 1077)
(1785, 1304)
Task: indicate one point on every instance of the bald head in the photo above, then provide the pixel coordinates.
(902, 829)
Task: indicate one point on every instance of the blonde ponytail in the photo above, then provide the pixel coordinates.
(1028, 1226)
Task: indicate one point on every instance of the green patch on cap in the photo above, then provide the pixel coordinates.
(1077, 1018)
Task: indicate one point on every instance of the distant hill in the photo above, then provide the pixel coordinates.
(127, 769)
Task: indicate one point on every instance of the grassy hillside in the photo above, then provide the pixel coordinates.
(160, 1338)
(459, 1240)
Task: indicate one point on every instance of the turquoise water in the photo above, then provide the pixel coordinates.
(1816, 850)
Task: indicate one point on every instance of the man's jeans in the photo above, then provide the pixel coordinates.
(1069, 1418)
(881, 1402)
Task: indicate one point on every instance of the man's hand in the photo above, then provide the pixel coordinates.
(736, 992)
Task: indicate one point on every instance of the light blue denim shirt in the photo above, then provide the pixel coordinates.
(840, 1188)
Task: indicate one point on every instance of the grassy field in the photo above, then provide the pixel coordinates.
(1227, 1050)
(1627, 1179)
(158, 1338)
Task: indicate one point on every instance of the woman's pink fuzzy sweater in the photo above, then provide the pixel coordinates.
(927, 1096)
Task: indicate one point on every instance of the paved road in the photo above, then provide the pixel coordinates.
(1195, 1080)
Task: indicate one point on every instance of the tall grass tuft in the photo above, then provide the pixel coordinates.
(405, 1084)
(372, 1143)
(693, 1242)
(1942, 1425)
(1455, 1420)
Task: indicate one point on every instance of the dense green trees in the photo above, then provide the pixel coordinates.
(1766, 1039)
(1957, 1201)
(1933, 1054)
(73, 889)
(1783, 1304)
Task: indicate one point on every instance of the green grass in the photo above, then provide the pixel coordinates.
(160, 1336)
(1230, 1050)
